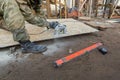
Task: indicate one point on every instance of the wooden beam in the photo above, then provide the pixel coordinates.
(48, 8)
(65, 8)
(90, 11)
(114, 7)
(80, 7)
(56, 7)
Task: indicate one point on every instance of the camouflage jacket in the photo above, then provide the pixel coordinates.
(30, 10)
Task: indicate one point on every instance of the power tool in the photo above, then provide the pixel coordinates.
(60, 29)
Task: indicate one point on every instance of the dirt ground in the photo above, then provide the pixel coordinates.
(94, 66)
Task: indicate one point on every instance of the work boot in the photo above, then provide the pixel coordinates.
(29, 47)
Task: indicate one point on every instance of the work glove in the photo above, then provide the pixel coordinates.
(53, 24)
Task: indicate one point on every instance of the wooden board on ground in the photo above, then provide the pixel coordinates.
(100, 25)
(38, 34)
(85, 18)
(113, 20)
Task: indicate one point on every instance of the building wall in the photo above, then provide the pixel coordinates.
(119, 3)
(70, 4)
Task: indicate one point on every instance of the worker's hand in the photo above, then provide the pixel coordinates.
(53, 24)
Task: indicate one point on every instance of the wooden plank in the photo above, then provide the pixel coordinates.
(100, 25)
(84, 18)
(114, 20)
(39, 34)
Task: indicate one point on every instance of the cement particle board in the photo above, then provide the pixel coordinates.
(41, 33)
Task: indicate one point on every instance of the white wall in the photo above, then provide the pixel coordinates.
(69, 3)
(119, 3)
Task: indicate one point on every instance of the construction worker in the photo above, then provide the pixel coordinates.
(14, 14)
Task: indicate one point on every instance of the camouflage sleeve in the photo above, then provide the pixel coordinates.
(30, 16)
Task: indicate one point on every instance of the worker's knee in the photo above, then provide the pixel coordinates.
(15, 24)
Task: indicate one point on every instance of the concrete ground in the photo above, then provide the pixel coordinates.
(94, 66)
